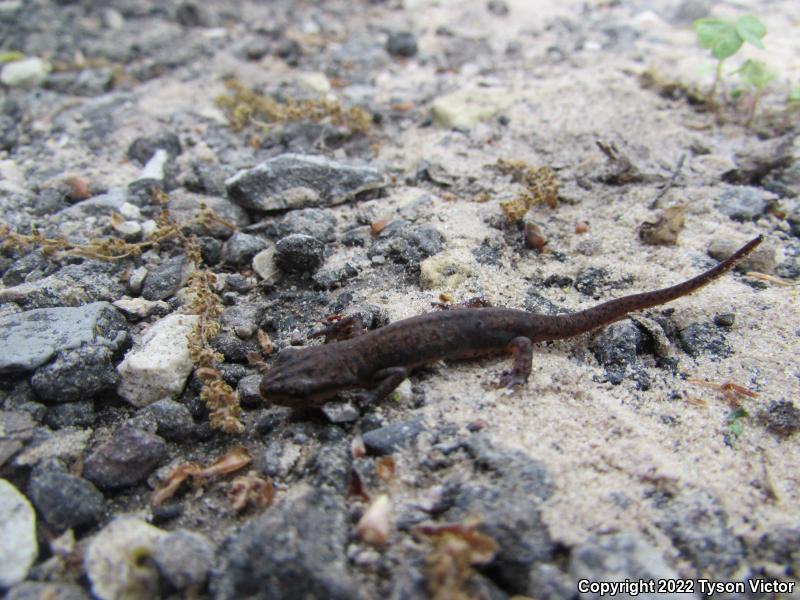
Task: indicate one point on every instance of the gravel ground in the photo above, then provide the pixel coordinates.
(189, 187)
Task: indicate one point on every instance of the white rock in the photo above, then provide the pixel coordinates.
(127, 229)
(28, 72)
(264, 264)
(139, 308)
(467, 107)
(130, 211)
(18, 547)
(158, 366)
(315, 82)
(118, 561)
(154, 169)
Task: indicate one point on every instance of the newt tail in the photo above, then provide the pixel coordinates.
(378, 361)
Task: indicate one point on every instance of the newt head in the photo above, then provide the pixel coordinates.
(304, 377)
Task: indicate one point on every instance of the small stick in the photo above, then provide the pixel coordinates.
(675, 172)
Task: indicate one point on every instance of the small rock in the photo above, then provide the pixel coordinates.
(264, 264)
(65, 500)
(742, 203)
(166, 279)
(257, 48)
(391, 438)
(72, 414)
(18, 546)
(240, 248)
(294, 550)
(86, 82)
(249, 396)
(298, 181)
(34, 590)
(762, 259)
(401, 43)
(331, 277)
(442, 272)
(289, 50)
(498, 8)
(664, 231)
(31, 338)
(406, 243)
(316, 222)
(174, 419)
(298, 253)
(158, 366)
(192, 14)
(704, 338)
(117, 560)
(142, 149)
(16, 428)
(76, 374)
(67, 444)
(616, 347)
(467, 107)
(340, 412)
(185, 207)
(136, 309)
(698, 527)
(781, 417)
(210, 250)
(28, 72)
(127, 458)
(184, 558)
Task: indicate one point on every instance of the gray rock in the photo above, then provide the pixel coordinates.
(26, 73)
(316, 222)
(295, 550)
(76, 374)
(240, 248)
(298, 181)
(332, 277)
(698, 527)
(509, 509)
(742, 203)
(184, 558)
(86, 82)
(16, 428)
(166, 279)
(331, 465)
(210, 250)
(173, 418)
(704, 338)
(64, 500)
(18, 546)
(406, 243)
(127, 458)
(618, 557)
(30, 339)
(298, 253)
(388, 439)
(616, 348)
(247, 389)
(68, 444)
(185, 207)
(35, 590)
(71, 414)
(762, 259)
(401, 43)
(781, 417)
(143, 148)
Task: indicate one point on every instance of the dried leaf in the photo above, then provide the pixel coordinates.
(374, 527)
(251, 490)
(267, 347)
(385, 467)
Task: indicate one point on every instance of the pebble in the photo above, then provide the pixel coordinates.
(184, 558)
(616, 347)
(35, 590)
(401, 43)
(158, 366)
(124, 460)
(298, 253)
(406, 243)
(65, 501)
(781, 417)
(185, 207)
(142, 149)
(316, 222)
(762, 259)
(300, 181)
(86, 82)
(167, 278)
(240, 248)
(294, 550)
(247, 389)
(76, 374)
(390, 438)
(742, 203)
(16, 428)
(467, 107)
(136, 309)
(704, 338)
(78, 414)
(30, 339)
(118, 560)
(28, 72)
(18, 546)
(173, 418)
(210, 250)
(67, 444)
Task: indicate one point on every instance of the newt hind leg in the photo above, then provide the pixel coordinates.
(521, 350)
(387, 380)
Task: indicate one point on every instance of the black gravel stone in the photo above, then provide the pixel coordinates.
(143, 148)
(616, 347)
(64, 500)
(331, 465)
(704, 338)
(71, 414)
(240, 248)
(388, 439)
(210, 250)
(76, 374)
(126, 459)
(298, 253)
(316, 222)
(401, 43)
(174, 421)
(295, 550)
(166, 279)
(249, 396)
(406, 243)
(781, 417)
(289, 50)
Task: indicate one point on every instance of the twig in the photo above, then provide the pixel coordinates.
(675, 172)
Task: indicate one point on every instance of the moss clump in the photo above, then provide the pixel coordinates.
(244, 106)
(541, 187)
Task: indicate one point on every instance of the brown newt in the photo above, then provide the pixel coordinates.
(379, 360)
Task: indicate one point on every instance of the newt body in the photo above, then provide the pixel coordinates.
(379, 360)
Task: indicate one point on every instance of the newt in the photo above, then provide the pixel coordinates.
(377, 361)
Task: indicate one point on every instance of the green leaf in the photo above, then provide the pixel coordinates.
(756, 74)
(736, 428)
(750, 29)
(11, 56)
(719, 36)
